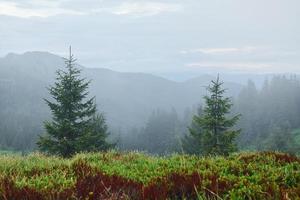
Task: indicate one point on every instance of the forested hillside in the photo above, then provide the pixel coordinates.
(271, 115)
(127, 99)
(141, 108)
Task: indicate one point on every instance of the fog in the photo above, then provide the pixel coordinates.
(174, 39)
(142, 109)
(150, 64)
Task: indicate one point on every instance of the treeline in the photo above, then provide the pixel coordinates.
(270, 115)
(270, 119)
(161, 134)
(21, 114)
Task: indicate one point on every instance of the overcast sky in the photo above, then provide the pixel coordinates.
(171, 38)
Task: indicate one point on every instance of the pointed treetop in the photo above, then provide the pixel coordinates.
(70, 60)
(70, 52)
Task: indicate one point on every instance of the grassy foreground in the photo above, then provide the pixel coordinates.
(116, 175)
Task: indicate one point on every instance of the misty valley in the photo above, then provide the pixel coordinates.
(149, 100)
(143, 136)
(146, 112)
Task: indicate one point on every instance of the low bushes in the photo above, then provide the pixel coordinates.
(115, 175)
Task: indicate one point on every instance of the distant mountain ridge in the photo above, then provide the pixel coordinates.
(127, 91)
(127, 99)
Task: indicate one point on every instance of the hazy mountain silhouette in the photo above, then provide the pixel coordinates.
(127, 99)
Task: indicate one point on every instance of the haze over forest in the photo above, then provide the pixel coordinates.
(134, 103)
(149, 99)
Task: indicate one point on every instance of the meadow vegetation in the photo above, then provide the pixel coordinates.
(133, 175)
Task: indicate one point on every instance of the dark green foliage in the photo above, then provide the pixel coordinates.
(213, 129)
(270, 115)
(75, 127)
(95, 136)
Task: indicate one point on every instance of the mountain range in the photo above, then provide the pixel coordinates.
(126, 99)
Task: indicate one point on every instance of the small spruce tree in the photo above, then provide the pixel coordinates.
(212, 130)
(75, 126)
(95, 136)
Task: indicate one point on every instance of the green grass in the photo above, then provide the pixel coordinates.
(134, 175)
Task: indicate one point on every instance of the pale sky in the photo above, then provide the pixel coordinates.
(171, 38)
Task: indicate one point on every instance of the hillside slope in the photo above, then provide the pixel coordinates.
(127, 99)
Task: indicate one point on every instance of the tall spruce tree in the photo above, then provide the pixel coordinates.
(213, 128)
(75, 126)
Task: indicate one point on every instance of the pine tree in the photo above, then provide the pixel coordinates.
(94, 138)
(213, 129)
(75, 125)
